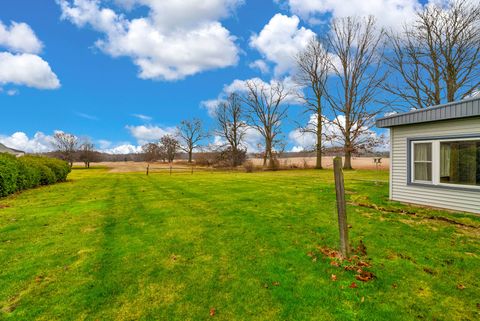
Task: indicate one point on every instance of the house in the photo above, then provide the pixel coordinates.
(435, 156)
(5, 149)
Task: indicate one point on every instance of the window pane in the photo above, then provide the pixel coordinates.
(422, 164)
(423, 152)
(460, 162)
(423, 172)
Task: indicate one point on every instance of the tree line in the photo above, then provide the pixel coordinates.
(354, 72)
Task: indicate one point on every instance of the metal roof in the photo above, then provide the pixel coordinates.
(458, 109)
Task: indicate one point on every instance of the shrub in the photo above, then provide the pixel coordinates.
(248, 166)
(8, 174)
(30, 171)
(29, 174)
(59, 168)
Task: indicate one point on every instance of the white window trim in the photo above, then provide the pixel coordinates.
(412, 162)
(436, 163)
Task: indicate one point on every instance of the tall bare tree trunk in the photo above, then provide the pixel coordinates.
(268, 154)
(348, 154)
(319, 142)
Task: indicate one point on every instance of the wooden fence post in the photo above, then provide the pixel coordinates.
(148, 168)
(170, 169)
(341, 206)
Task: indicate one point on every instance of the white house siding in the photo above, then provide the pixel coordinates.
(460, 200)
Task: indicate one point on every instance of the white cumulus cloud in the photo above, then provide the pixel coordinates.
(149, 133)
(389, 13)
(175, 40)
(19, 37)
(123, 149)
(280, 41)
(27, 70)
(21, 65)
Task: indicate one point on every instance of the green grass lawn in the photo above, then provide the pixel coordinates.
(107, 246)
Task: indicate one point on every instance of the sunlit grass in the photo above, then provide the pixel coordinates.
(107, 246)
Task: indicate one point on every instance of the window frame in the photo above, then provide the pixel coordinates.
(413, 161)
(436, 141)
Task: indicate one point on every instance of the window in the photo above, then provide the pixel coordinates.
(422, 162)
(460, 162)
(446, 162)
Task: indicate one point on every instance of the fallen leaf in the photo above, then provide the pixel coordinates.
(334, 263)
(364, 276)
(333, 277)
(394, 285)
(353, 285)
(363, 299)
(275, 283)
(362, 263)
(212, 312)
(460, 286)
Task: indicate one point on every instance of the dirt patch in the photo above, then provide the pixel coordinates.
(415, 214)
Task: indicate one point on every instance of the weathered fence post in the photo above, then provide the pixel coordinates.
(170, 168)
(192, 169)
(341, 205)
(148, 168)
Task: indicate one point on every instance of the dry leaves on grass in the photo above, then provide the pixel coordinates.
(212, 312)
(356, 262)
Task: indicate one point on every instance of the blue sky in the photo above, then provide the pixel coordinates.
(105, 86)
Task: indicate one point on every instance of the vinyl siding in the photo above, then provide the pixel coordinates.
(460, 200)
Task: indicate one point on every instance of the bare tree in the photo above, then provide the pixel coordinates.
(356, 45)
(151, 152)
(170, 146)
(190, 133)
(313, 66)
(265, 112)
(87, 153)
(66, 144)
(231, 126)
(437, 58)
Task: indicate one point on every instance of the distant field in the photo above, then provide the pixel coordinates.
(230, 246)
(327, 162)
(300, 162)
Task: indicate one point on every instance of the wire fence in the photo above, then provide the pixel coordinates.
(187, 170)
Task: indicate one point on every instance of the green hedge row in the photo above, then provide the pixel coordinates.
(26, 172)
